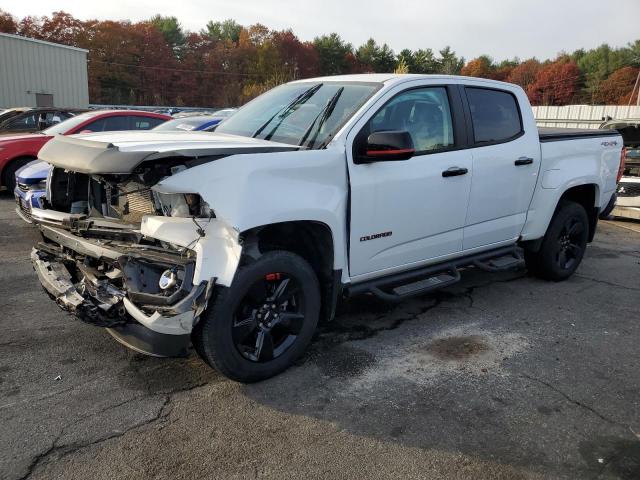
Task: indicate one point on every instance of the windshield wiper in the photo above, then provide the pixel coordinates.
(286, 111)
(322, 117)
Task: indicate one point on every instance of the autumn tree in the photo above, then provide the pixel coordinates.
(157, 62)
(597, 64)
(525, 73)
(481, 67)
(8, 24)
(300, 57)
(555, 84)
(617, 88)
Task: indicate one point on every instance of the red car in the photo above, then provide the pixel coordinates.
(18, 150)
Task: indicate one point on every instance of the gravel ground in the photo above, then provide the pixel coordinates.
(501, 376)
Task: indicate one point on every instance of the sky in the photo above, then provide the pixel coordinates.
(500, 28)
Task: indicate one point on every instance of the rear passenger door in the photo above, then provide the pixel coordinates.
(506, 160)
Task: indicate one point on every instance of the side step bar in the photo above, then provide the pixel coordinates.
(398, 286)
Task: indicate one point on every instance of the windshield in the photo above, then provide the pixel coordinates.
(68, 124)
(306, 114)
(186, 124)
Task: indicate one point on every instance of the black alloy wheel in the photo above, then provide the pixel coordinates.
(260, 324)
(570, 243)
(269, 318)
(564, 244)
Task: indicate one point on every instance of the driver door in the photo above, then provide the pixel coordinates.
(407, 212)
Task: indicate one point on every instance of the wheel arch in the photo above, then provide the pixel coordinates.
(546, 203)
(6, 168)
(313, 241)
(588, 196)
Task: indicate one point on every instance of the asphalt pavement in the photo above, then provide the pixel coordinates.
(502, 376)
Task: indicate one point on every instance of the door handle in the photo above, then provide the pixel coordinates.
(523, 161)
(454, 171)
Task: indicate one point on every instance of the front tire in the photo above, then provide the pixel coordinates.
(9, 174)
(563, 245)
(264, 321)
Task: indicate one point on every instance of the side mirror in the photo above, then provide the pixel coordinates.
(386, 146)
(86, 130)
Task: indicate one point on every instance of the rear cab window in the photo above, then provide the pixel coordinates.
(495, 115)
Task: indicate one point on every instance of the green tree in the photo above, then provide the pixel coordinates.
(227, 30)
(598, 63)
(170, 29)
(333, 54)
(425, 61)
(375, 58)
(449, 63)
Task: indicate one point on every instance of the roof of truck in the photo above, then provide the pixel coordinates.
(390, 78)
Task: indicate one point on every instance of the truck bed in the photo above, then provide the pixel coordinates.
(550, 134)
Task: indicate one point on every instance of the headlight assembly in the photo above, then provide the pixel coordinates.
(183, 205)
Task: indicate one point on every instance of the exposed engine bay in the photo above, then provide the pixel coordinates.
(123, 197)
(97, 263)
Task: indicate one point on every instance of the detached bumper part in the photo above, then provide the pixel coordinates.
(164, 333)
(142, 340)
(56, 280)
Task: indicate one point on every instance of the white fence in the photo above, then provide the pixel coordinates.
(582, 116)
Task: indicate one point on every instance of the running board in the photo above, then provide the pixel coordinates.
(418, 287)
(499, 264)
(398, 286)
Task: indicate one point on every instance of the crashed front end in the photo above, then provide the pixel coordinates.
(118, 254)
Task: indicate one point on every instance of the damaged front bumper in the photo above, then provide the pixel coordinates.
(115, 285)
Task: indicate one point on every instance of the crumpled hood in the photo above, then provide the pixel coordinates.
(122, 152)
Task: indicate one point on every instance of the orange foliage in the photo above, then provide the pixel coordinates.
(616, 90)
(555, 84)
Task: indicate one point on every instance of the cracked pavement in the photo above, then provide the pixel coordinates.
(499, 376)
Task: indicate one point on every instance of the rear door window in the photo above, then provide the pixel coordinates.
(24, 123)
(109, 124)
(495, 115)
(144, 123)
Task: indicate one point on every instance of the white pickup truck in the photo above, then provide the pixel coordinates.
(241, 240)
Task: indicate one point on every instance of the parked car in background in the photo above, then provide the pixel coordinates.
(10, 112)
(190, 123)
(20, 150)
(35, 119)
(626, 201)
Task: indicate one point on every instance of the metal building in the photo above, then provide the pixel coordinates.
(582, 116)
(35, 73)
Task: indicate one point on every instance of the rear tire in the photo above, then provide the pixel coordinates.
(264, 321)
(563, 245)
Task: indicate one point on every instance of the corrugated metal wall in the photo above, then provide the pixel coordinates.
(581, 116)
(30, 66)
